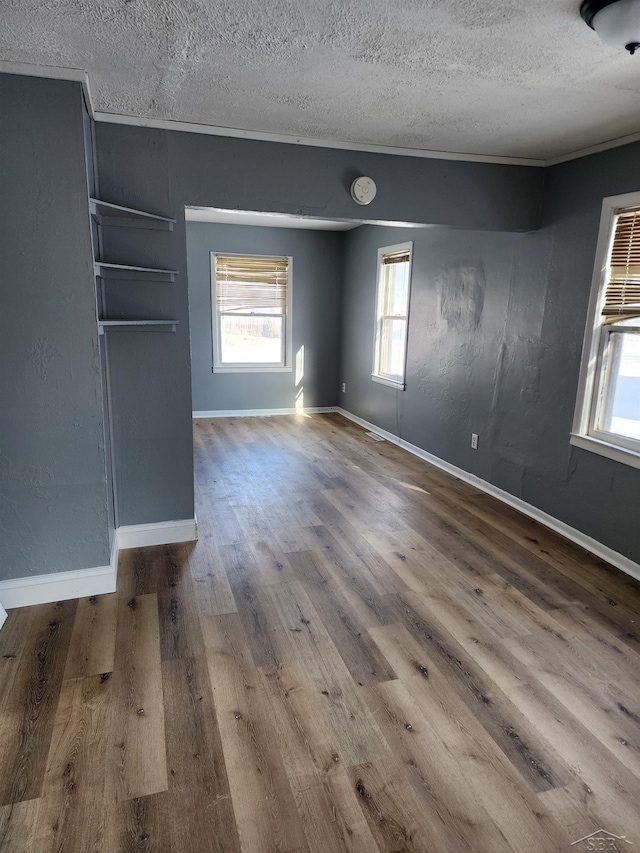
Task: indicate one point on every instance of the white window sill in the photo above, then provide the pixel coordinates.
(604, 448)
(251, 369)
(391, 383)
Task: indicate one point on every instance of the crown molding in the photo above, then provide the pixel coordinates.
(594, 149)
(286, 139)
(52, 72)
(79, 75)
(82, 76)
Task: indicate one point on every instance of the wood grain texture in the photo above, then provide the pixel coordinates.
(360, 654)
(75, 777)
(137, 757)
(198, 783)
(93, 640)
(265, 809)
(29, 708)
(142, 825)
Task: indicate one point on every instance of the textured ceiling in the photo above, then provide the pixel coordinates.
(499, 77)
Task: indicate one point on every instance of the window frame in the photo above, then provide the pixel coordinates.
(285, 366)
(376, 374)
(585, 432)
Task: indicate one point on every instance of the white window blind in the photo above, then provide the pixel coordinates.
(251, 297)
(246, 284)
(397, 258)
(392, 310)
(622, 292)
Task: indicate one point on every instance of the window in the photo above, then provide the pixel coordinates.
(608, 411)
(392, 315)
(252, 313)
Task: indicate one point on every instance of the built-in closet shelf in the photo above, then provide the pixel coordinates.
(120, 271)
(116, 215)
(137, 325)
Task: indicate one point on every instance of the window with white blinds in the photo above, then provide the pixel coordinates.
(392, 315)
(622, 291)
(607, 417)
(252, 312)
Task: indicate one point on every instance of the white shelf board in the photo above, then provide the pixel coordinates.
(118, 214)
(138, 325)
(101, 266)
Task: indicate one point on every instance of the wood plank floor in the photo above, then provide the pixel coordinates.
(361, 653)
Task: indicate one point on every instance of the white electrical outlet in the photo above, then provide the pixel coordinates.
(474, 440)
(344, 387)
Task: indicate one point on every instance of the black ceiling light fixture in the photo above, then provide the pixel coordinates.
(617, 22)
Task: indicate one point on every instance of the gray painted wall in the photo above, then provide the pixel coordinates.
(162, 171)
(316, 283)
(594, 491)
(510, 369)
(150, 372)
(499, 319)
(53, 493)
(268, 176)
(495, 336)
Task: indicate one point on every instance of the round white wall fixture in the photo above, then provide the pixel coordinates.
(363, 190)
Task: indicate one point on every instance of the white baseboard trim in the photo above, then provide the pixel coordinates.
(3, 616)
(262, 413)
(586, 542)
(58, 586)
(157, 533)
(100, 580)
